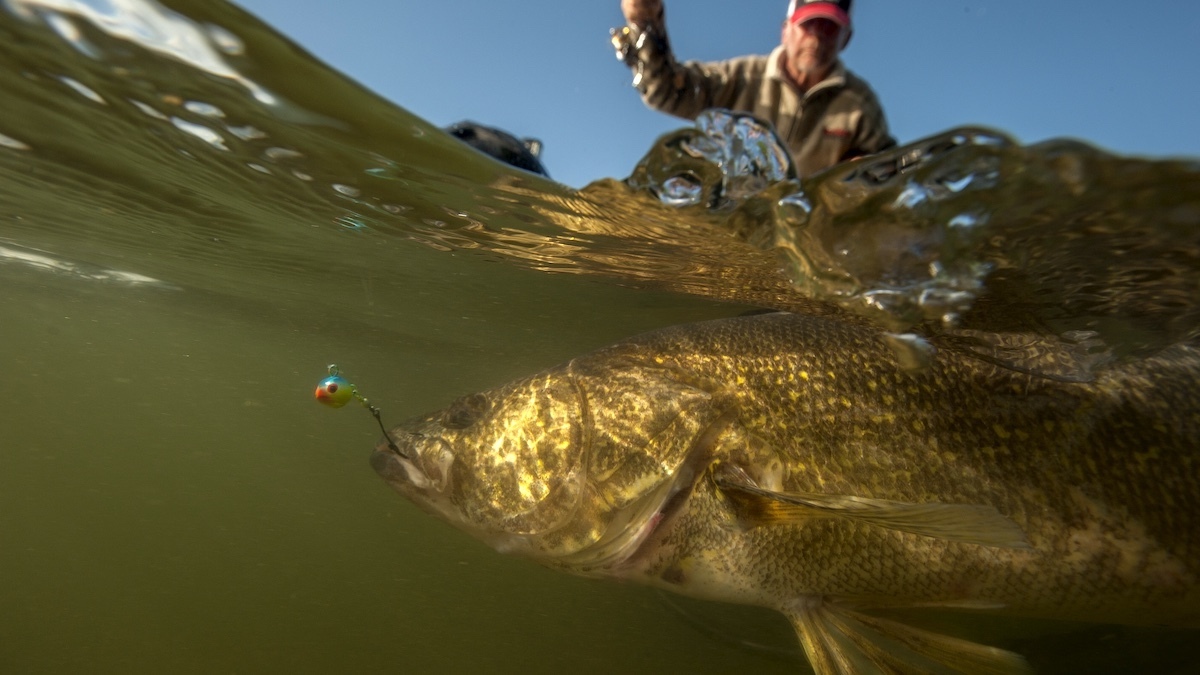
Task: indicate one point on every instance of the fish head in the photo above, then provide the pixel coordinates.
(504, 465)
(573, 467)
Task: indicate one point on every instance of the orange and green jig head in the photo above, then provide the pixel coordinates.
(336, 391)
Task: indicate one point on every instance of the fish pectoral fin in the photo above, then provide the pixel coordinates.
(840, 641)
(968, 523)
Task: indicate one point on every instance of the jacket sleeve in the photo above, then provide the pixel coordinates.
(681, 89)
(872, 134)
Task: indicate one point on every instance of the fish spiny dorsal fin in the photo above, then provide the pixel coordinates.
(839, 641)
(968, 523)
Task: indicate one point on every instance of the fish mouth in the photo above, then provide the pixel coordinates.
(399, 465)
(392, 466)
(418, 467)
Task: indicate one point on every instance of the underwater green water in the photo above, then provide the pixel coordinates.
(183, 250)
(173, 499)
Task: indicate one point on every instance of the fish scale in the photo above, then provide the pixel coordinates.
(791, 461)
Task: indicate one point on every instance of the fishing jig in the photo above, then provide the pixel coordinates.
(336, 391)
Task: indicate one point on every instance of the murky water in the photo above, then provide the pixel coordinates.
(195, 220)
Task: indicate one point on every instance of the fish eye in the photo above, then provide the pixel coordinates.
(331, 387)
(465, 411)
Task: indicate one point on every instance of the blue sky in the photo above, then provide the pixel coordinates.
(1122, 75)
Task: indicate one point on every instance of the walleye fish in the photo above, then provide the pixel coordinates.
(790, 461)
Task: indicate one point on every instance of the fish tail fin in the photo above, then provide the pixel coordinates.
(839, 641)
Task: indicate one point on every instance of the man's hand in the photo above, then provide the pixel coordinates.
(641, 12)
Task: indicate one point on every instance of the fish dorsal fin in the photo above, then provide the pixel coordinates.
(968, 523)
(839, 641)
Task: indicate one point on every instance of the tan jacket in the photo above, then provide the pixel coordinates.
(836, 120)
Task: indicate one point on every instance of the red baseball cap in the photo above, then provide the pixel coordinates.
(803, 10)
(838, 12)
